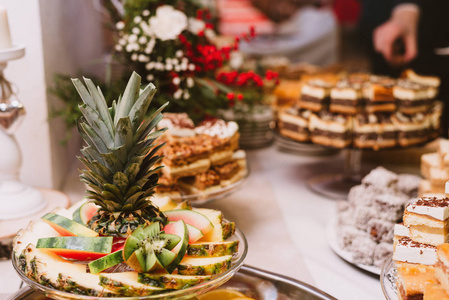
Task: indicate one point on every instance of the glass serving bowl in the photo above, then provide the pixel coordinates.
(388, 278)
(189, 293)
(202, 198)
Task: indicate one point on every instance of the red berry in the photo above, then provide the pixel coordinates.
(230, 96)
(239, 97)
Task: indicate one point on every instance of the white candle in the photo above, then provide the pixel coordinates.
(5, 36)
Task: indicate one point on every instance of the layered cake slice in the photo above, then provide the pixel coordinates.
(294, 123)
(331, 129)
(425, 80)
(438, 178)
(178, 125)
(224, 138)
(167, 187)
(442, 266)
(315, 95)
(412, 97)
(374, 131)
(413, 279)
(412, 130)
(407, 250)
(434, 116)
(428, 162)
(229, 172)
(186, 158)
(206, 182)
(346, 98)
(378, 95)
(400, 231)
(428, 220)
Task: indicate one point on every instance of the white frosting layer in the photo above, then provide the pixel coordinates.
(446, 190)
(294, 120)
(335, 126)
(415, 255)
(410, 94)
(346, 93)
(239, 154)
(313, 91)
(176, 130)
(439, 213)
(401, 230)
(220, 128)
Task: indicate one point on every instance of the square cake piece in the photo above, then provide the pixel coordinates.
(442, 266)
(412, 130)
(412, 97)
(413, 252)
(375, 131)
(378, 94)
(294, 123)
(332, 130)
(315, 95)
(428, 220)
(413, 279)
(206, 182)
(429, 161)
(178, 125)
(346, 97)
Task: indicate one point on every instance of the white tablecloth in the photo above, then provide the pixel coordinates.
(283, 221)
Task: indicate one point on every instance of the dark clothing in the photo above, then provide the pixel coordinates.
(433, 32)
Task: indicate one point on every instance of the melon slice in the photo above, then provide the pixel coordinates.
(194, 233)
(214, 216)
(77, 247)
(84, 213)
(191, 217)
(67, 227)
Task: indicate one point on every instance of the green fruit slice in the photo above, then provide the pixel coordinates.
(148, 248)
(204, 266)
(191, 217)
(67, 227)
(106, 262)
(171, 281)
(212, 249)
(84, 213)
(194, 233)
(180, 229)
(77, 247)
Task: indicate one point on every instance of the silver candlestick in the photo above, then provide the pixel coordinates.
(16, 199)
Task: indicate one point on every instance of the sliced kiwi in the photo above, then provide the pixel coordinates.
(148, 248)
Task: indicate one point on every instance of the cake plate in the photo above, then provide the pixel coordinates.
(337, 186)
(388, 279)
(188, 293)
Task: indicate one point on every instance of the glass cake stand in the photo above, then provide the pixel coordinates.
(388, 278)
(188, 293)
(205, 197)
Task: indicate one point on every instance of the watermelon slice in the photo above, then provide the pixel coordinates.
(77, 247)
(67, 227)
(192, 218)
(179, 229)
(194, 233)
(106, 262)
(84, 213)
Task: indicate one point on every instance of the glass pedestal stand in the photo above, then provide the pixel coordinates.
(337, 186)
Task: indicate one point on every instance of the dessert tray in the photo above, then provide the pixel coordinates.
(331, 236)
(250, 281)
(388, 280)
(188, 293)
(205, 197)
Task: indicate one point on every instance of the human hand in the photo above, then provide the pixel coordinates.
(401, 26)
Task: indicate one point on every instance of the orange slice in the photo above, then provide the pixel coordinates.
(223, 294)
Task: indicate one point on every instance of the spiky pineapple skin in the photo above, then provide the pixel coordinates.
(71, 286)
(212, 269)
(123, 289)
(168, 281)
(212, 249)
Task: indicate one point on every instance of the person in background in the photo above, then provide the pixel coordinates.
(405, 34)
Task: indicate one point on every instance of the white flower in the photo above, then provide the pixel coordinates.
(195, 25)
(132, 38)
(184, 66)
(178, 94)
(168, 67)
(129, 48)
(176, 81)
(120, 25)
(137, 19)
(190, 82)
(179, 53)
(134, 57)
(146, 13)
(143, 40)
(143, 58)
(148, 50)
(175, 61)
(192, 67)
(236, 60)
(168, 60)
(135, 30)
(149, 66)
(122, 41)
(178, 69)
(168, 23)
(186, 95)
(210, 34)
(150, 77)
(118, 47)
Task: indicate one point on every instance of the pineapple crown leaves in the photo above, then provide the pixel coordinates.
(121, 151)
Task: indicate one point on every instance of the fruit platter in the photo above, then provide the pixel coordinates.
(118, 242)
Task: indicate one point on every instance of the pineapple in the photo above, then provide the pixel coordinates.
(120, 156)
